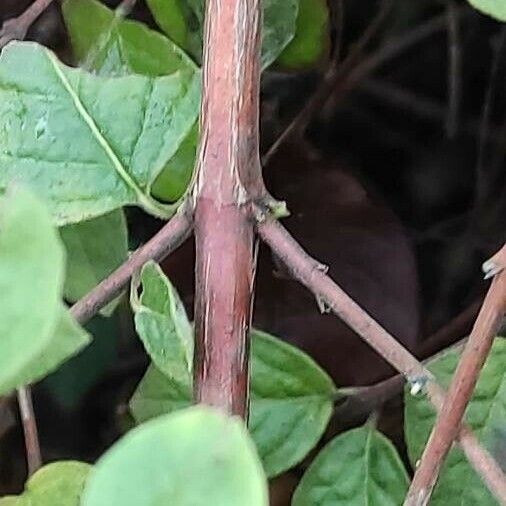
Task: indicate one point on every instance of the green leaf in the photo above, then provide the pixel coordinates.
(31, 277)
(312, 37)
(291, 402)
(37, 332)
(190, 458)
(357, 467)
(182, 21)
(112, 46)
(279, 24)
(66, 340)
(494, 8)
(59, 483)
(290, 406)
(486, 416)
(157, 395)
(162, 324)
(105, 42)
(291, 398)
(95, 248)
(174, 179)
(86, 143)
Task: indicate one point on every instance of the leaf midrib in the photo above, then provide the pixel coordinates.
(143, 199)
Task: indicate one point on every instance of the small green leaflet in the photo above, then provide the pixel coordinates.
(85, 143)
(494, 8)
(57, 484)
(458, 483)
(36, 331)
(195, 457)
(162, 324)
(291, 396)
(358, 467)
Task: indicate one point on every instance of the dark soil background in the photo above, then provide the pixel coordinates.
(401, 194)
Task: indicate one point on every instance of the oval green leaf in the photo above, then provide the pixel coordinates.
(189, 458)
(458, 483)
(358, 467)
(31, 278)
(291, 402)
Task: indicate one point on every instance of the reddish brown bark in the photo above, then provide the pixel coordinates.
(228, 174)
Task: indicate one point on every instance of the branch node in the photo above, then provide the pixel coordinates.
(495, 265)
(323, 306)
(417, 384)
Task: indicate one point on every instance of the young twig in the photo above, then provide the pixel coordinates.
(16, 28)
(312, 275)
(33, 455)
(170, 237)
(448, 421)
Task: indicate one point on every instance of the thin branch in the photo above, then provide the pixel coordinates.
(312, 275)
(459, 393)
(454, 70)
(16, 28)
(33, 455)
(170, 237)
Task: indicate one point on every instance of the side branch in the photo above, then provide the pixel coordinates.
(170, 237)
(312, 275)
(450, 417)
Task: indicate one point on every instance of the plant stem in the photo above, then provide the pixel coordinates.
(228, 176)
(33, 455)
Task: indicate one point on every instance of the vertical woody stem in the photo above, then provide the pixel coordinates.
(228, 175)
